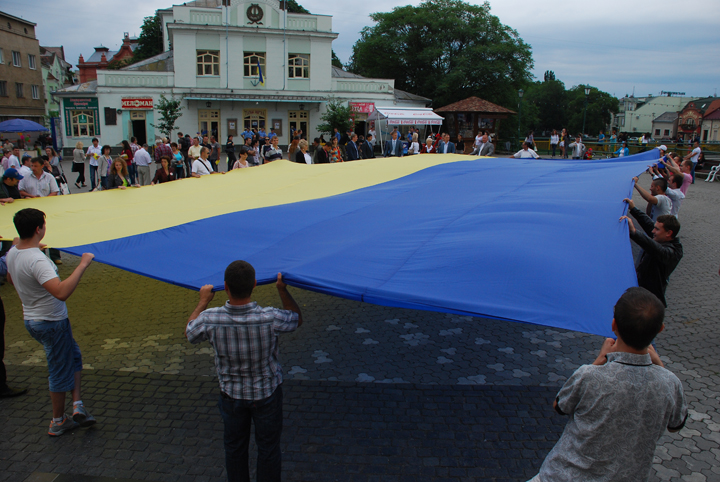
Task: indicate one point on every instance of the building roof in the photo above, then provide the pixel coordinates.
(703, 104)
(475, 104)
(666, 117)
(17, 19)
(402, 95)
(84, 88)
(714, 115)
(339, 73)
(158, 63)
(58, 51)
(204, 3)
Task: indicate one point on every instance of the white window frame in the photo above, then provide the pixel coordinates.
(17, 58)
(250, 64)
(75, 126)
(204, 64)
(31, 62)
(35, 92)
(298, 66)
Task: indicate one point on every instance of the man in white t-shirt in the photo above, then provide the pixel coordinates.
(693, 157)
(39, 183)
(43, 297)
(661, 204)
(14, 159)
(202, 166)
(93, 153)
(25, 169)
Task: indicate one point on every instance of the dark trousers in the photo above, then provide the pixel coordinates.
(93, 176)
(132, 172)
(554, 146)
(3, 373)
(81, 173)
(267, 415)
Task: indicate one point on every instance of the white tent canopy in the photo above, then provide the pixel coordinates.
(406, 116)
(403, 116)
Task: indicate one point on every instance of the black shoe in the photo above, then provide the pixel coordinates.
(8, 392)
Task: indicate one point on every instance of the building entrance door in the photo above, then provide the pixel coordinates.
(138, 127)
(298, 119)
(209, 123)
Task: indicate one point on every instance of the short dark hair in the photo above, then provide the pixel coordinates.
(243, 150)
(670, 223)
(106, 147)
(38, 160)
(240, 279)
(678, 179)
(27, 221)
(95, 139)
(133, 139)
(661, 182)
(639, 316)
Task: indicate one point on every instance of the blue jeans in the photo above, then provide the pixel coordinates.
(93, 175)
(267, 415)
(693, 171)
(61, 350)
(132, 172)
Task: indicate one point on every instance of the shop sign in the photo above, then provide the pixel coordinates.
(81, 103)
(362, 107)
(137, 103)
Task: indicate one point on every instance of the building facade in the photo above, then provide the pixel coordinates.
(665, 126)
(56, 75)
(691, 117)
(21, 83)
(244, 65)
(636, 114)
(102, 57)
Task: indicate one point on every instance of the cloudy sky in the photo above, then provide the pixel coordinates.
(616, 45)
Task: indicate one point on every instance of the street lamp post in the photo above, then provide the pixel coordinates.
(520, 94)
(587, 93)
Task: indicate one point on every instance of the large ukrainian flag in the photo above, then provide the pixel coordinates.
(536, 241)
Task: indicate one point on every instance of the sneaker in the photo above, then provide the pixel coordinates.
(57, 429)
(82, 417)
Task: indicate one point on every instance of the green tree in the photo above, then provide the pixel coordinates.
(446, 50)
(338, 114)
(600, 109)
(294, 7)
(170, 112)
(336, 61)
(546, 104)
(150, 42)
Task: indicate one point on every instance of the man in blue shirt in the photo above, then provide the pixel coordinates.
(248, 133)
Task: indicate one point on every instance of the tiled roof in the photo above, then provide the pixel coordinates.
(666, 117)
(159, 63)
(402, 95)
(339, 73)
(714, 115)
(475, 104)
(85, 88)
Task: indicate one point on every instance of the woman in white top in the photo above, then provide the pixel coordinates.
(302, 154)
(414, 145)
(525, 153)
(242, 158)
(554, 141)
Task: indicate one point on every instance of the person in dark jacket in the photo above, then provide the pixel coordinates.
(660, 254)
(351, 148)
(323, 156)
(118, 177)
(366, 148)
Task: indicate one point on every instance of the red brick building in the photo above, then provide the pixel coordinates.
(102, 57)
(691, 117)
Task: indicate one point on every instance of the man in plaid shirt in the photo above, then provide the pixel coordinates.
(245, 339)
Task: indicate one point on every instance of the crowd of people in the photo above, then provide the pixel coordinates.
(601, 398)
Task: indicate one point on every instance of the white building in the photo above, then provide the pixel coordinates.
(636, 114)
(249, 64)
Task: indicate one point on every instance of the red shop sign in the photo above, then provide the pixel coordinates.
(362, 107)
(144, 103)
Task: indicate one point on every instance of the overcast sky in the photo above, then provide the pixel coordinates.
(615, 45)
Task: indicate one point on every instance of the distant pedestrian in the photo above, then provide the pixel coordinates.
(245, 339)
(554, 141)
(93, 154)
(143, 161)
(79, 164)
(43, 297)
(230, 151)
(525, 152)
(578, 148)
(693, 156)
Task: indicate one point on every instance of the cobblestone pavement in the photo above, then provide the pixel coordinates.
(372, 393)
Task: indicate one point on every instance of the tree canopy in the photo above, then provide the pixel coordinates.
(446, 50)
(338, 114)
(150, 42)
(549, 105)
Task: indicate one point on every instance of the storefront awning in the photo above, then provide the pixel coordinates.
(406, 116)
